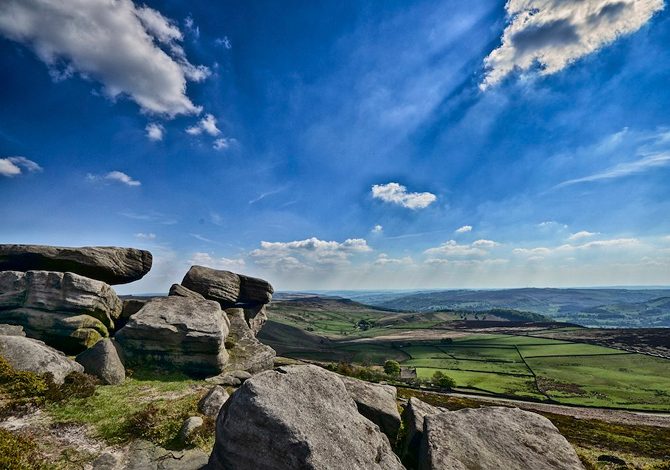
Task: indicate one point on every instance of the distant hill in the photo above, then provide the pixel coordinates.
(588, 307)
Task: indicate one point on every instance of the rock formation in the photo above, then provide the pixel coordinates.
(108, 264)
(297, 417)
(246, 352)
(66, 310)
(211, 404)
(103, 361)
(494, 438)
(35, 356)
(179, 333)
(412, 417)
(377, 403)
(229, 289)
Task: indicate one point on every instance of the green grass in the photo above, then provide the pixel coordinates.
(496, 384)
(110, 410)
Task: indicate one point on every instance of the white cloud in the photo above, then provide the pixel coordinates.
(551, 34)
(581, 235)
(385, 260)
(14, 166)
(452, 248)
(223, 42)
(113, 42)
(115, 177)
(155, 131)
(207, 124)
(223, 143)
(377, 229)
(308, 253)
(228, 264)
(397, 194)
(621, 170)
(464, 229)
(615, 243)
(145, 236)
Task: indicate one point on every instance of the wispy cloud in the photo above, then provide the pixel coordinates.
(115, 177)
(229, 264)
(145, 236)
(207, 124)
(395, 193)
(464, 229)
(555, 33)
(622, 170)
(262, 196)
(581, 235)
(14, 166)
(197, 236)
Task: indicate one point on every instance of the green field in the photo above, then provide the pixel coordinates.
(516, 366)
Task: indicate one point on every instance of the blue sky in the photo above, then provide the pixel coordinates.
(352, 144)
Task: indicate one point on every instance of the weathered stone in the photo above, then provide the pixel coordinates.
(189, 426)
(181, 291)
(103, 361)
(227, 288)
(377, 403)
(11, 330)
(412, 417)
(493, 438)
(107, 461)
(246, 352)
(297, 417)
(108, 264)
(178, 333)
(211, 404)
(131, 306)
(34, 356)
(255, 317)
(240, 374)
(224, 379)
(66, 310)
(143, 455)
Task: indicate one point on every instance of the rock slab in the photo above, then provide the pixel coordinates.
(493, 438)
(227, 288)
(178, 333)
(66, 310)
(35, 356)
(297, 417)
(246, 352)
(412, 418)
(377, 403)
(103, 361)
(108, 264)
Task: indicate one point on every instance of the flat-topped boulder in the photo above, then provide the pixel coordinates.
(377, 403)
(66, 310)
(109, 264)
(492, 438)
(34, 356)
(179, 333)
(246, 352)
(227, 288)
(297, 417)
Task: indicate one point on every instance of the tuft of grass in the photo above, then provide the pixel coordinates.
(19, 452)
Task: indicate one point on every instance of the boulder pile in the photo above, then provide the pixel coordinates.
(62, 297)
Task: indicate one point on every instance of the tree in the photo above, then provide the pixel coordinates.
(443, 381)
(392, 368)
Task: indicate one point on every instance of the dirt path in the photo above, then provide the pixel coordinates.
(634, 418)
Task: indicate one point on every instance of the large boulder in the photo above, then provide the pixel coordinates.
(493, 438)
(211, 404)
(377, 403)
(412, 418)
(227, 288)
(103, 361)
(181, 291)
(108, 264)
(35, 356)
(246, 352)
(177, 333)
(11, 330)
(66, 310)
(297, 417)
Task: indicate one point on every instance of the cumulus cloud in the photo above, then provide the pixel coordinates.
(114, 177)
(464, 229)
(155, 131)
(551, 34)
(207, 124)
(131, 50)
(228, 264)
(581, 235)
(377, 229)
(452, 248)
(14, 166)
(397, 194)
(308, 254)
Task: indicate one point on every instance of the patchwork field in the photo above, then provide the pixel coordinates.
(512, 365)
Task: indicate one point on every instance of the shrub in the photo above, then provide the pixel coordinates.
(392, 368)
(18, 452)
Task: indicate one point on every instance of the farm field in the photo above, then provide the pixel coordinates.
(502, 364)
